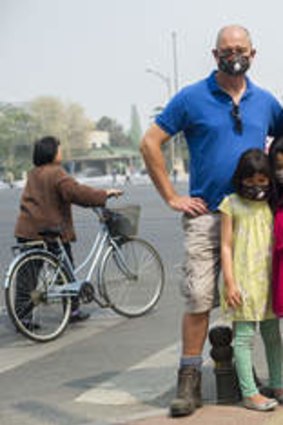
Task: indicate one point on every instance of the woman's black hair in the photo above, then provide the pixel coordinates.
(275, 148)
(251, 162)
(45, 150)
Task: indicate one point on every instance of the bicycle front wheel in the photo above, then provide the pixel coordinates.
(34, 301)
(132, 277)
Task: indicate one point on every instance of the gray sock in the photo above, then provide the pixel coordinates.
(195, 361)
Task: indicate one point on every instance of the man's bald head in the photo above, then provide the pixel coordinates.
(232, 30)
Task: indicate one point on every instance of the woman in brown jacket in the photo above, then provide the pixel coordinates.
(47, 199)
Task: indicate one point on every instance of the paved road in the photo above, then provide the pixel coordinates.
(108, 369)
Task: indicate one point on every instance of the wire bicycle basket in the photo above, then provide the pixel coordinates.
(123, 221)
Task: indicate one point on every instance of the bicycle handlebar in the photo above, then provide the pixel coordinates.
(103, 213)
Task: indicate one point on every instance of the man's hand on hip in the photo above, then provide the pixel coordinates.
(189, 205)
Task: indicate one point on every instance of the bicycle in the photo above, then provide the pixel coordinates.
(125, 274)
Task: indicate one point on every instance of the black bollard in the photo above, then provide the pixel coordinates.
(227, 386)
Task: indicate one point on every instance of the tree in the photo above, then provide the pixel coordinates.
(21, 124)
(78, 127)
(135, 132)
(67, 121)
(116, 132)
(17, 129)
(50, 118)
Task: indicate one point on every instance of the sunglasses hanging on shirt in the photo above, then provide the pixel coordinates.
(236, 114)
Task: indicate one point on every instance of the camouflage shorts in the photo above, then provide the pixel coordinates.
(201, 265)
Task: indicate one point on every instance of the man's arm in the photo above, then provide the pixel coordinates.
(154, 159)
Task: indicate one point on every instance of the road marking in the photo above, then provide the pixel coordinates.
(23, 350)
(141, 383)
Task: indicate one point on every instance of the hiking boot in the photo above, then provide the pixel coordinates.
(197, 391)
(188, 392)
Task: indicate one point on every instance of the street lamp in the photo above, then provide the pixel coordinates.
(176, 87)
(175, 61)
(162, 77)
(167, 81)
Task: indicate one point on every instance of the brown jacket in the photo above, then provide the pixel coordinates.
(46, 202)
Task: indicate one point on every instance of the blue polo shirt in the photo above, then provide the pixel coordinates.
(203, 112)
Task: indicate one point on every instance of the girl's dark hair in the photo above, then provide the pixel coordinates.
(45, 150)
(251, 162)
(275, 148)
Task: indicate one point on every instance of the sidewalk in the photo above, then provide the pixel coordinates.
(218, 415)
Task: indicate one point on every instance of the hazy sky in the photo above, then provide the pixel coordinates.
(96, 52)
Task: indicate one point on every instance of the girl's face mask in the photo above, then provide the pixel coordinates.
(256, 192)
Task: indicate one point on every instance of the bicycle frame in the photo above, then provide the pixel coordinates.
(102, 241)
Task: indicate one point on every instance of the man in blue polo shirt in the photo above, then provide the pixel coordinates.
(221, 117)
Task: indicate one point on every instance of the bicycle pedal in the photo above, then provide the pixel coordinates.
(86, 293)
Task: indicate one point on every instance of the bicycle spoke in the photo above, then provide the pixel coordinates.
(132, 277)
(34, 313)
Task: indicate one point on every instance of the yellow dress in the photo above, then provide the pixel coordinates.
(252, 250)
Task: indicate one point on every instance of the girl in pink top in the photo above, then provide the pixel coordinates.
(276, 160)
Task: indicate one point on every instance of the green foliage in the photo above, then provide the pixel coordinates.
(117, 136)
(17, 130)
(78, 128)
(16, 127)
(65, 121)
(20, 125)
(135, 132)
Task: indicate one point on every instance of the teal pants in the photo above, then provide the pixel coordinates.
(244, 333)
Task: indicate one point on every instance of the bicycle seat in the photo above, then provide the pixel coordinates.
(51, 232)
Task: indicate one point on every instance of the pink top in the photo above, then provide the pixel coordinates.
(277, 264)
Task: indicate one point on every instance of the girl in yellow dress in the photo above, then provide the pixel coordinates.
(246, 244)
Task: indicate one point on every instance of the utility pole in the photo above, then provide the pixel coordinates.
(167, 82)
(176, 139)
(175, 61)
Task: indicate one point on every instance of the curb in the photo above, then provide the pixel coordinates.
(216, 415)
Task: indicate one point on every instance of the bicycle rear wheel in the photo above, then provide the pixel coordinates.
(132, 277)
(34, 301)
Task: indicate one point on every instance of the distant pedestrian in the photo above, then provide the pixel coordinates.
(127, 175)
(175, 175)
(10, 179)
(246, 241)
(114, 176)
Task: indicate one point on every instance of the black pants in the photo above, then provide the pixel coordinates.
(28, 282)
